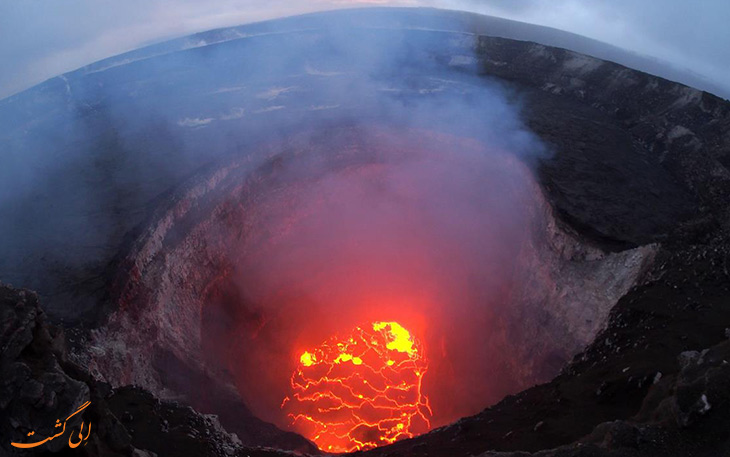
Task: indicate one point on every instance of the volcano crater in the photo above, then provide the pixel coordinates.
(245, 268)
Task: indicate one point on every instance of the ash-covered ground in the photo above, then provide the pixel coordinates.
(122, 172)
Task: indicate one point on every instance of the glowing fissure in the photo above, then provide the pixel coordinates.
(360, 391)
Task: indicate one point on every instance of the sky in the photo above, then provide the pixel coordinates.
(40, 39)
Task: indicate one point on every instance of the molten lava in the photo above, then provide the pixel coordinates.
(361, 391)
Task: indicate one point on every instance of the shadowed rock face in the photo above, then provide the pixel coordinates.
(655, 334)
(635, 160)
(682, 409)
(635, 153)
(35, 390)
(41, 384)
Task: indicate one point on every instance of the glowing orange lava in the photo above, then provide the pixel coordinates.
(360, 391)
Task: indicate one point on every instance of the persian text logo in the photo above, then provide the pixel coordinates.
(72, 443)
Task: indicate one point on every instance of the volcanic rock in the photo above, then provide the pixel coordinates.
(40, 385)
(636, 183)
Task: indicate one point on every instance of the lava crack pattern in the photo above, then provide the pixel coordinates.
(361, 391)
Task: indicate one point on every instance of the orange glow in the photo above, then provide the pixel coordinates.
(360, 391)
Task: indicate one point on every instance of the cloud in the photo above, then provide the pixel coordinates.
(314, 72)
(274, 93)
(194, 122)
(689, 35)
(322, 107)
(39, 40)
(234, 113)
(269, 109)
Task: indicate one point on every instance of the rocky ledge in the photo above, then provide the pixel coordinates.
(39, 384)
(654, 382)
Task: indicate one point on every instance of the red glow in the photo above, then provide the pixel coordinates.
(360, 391)
(431, 231)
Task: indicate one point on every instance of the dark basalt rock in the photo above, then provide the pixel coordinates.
(683, 410)
(639, 385)
(39, 385)
(34, 389)
(634, 154)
